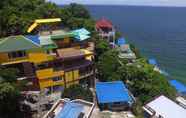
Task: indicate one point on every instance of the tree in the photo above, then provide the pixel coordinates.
(137, 109)
(9, 101)
(76, 11)
(101, 47)
(8, 74)
(77, 92)
(144, 82)
(107, 65)
(136, 51)
(77, 16)
(17, 15)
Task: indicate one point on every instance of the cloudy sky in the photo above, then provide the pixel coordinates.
(126, 2)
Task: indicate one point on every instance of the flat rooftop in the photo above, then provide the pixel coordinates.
(165, 107)
(117, 92)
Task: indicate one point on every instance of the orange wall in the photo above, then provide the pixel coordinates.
(3, 57)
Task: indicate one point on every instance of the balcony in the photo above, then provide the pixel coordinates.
(48, 73)
(72, 65)
(31, 57)
(73, 53)
(85, 75)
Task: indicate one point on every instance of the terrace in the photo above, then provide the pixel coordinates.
(65, 108)
(126, 52)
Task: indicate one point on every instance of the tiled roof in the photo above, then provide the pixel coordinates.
(103, 23)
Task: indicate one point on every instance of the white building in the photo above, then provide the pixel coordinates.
(163, 107)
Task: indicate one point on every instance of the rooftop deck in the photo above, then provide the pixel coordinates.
(164, 107)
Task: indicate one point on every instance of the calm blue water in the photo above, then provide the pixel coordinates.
(158, 32)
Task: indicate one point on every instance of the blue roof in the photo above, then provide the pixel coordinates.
(70, 110)
(109, 92)
(181, 88)
(81, 31)
(81, 34)
(82, 37)
(33, 38)
(121, 41)
(152, 61)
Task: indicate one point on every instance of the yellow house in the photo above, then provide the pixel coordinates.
(46, 63)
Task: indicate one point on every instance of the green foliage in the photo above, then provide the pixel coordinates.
(9, 101)
(101, 47)
(17, 15)
(118, 34)
(8, 74)
(74, 23)
(77, 92)
(137, 109)
(136, 51)
(77, 16)
(145, 83)
(76, 10)
(142, 80)
(107, 65)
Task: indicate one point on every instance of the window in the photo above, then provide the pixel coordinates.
(42, 66)
(16, 54)
(56, 79)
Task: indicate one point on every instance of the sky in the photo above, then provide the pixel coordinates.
(125, 2)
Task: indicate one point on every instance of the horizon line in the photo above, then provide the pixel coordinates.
(122, 5)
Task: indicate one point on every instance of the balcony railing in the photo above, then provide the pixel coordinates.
(87, 74)
(76, 65)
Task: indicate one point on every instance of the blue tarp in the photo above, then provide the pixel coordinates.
(152, 61)
(121, 41)
(70, 110)
(110, 92)
(181, 88)
(33, 38)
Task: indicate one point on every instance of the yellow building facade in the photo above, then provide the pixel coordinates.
(41, 62)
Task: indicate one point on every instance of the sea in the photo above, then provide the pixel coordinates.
(158, 32)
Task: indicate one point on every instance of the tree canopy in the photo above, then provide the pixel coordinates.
(9, 101)
(17, 15)
(141, 79)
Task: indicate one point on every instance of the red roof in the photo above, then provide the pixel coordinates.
(104, 23)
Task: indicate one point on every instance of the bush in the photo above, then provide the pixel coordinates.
(9, 101)
(137, 109)
(77, 92)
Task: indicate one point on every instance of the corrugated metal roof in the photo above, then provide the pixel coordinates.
(109, 92)
(16, 43)
(166, 108)
(33, 38)
(45, 40)
(81, 31)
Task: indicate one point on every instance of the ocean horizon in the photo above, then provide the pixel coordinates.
(159, 32)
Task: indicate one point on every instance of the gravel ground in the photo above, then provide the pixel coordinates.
(108, 114)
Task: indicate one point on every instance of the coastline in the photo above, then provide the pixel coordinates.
(150, 38)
